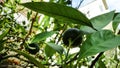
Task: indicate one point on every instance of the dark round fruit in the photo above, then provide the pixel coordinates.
(74, 35)
(33, 48)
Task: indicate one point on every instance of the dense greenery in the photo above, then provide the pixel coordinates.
(37, 40)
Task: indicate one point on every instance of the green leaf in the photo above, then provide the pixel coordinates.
(46, 21)
(97, 42)
(116, 22)
(56, 47)
(60, 12)
(1, 39)
(4, 34)
(101, 21)
(49, 51)
(101, 64)
(42, 36)
(87, 29)
(31, 58)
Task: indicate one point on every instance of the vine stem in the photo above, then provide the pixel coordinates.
(30, 31)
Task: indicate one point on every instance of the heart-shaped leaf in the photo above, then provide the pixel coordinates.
(60, 12)
(97, 42)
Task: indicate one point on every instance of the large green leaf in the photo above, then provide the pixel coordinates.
(42, 36)
(31, 58)
(101, 21)
(116, 21)
(56, 47)
(99, 41)
(58, 11)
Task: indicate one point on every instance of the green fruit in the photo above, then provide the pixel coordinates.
(33, 48)
(72, 35)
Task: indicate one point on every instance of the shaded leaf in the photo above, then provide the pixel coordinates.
(58, 11)
(101, 21)
(116, 22)
(99, 42)
(31, 58)
(56, 47)
(42, 36)
(49, 51)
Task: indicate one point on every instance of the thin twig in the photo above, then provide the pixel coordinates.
(30, 30)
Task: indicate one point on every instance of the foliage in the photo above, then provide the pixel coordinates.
(44, 24)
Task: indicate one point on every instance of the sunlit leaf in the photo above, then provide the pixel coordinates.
(42, 36)
(101, 21)
(46, 21)
(60, 12)
(56, 47)
(116, 22)
(99, 41)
